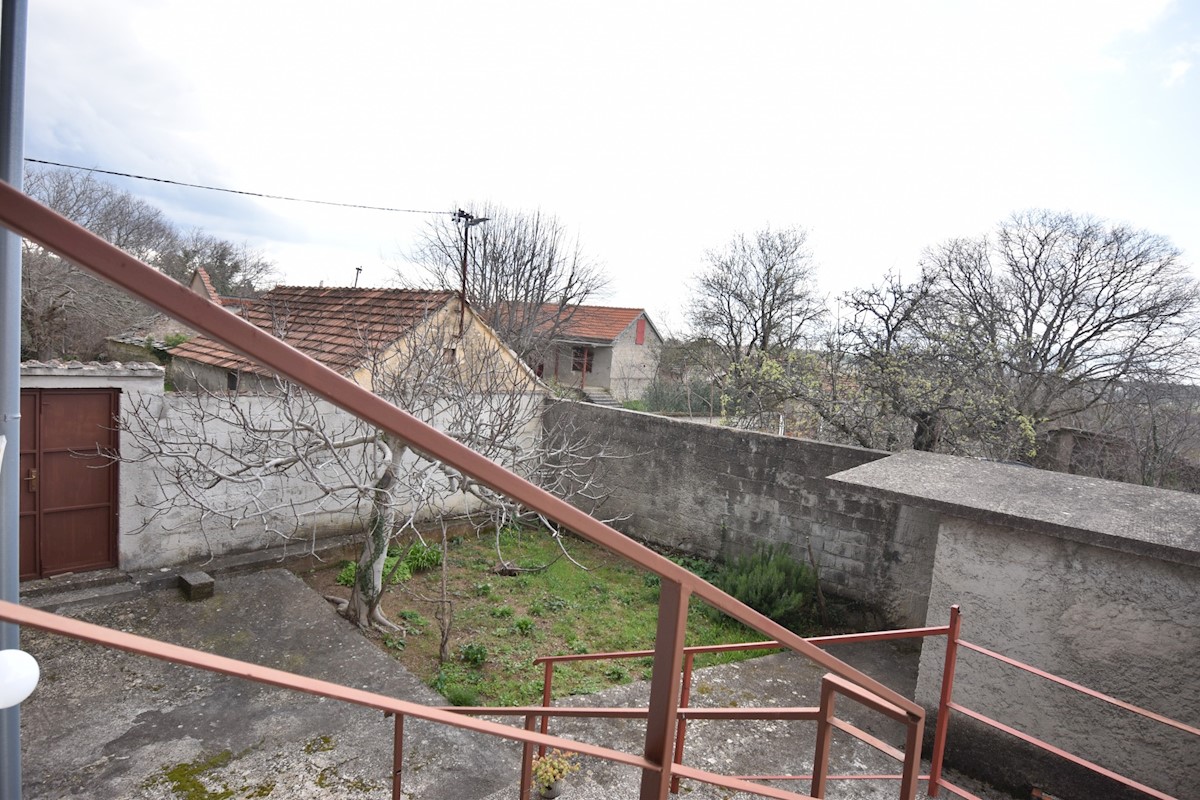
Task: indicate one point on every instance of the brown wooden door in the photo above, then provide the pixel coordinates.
(68, 499)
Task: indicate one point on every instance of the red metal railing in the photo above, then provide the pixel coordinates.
(936, 781)
(947, 705)
(823, 715)
(39, 224)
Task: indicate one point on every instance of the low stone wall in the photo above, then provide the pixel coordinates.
(1091, 580)
(719, 492)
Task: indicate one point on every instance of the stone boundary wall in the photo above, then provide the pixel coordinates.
(718, 492)
(149, 541)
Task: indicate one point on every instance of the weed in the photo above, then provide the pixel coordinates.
(394, 641)
(413, 619)
(616, 674)
(421, 557)
(321, 744)
(462, 696)
(580, 613)
(473, 654)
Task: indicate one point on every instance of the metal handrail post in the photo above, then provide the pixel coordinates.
(527, 760)
(397, 756)
(685, 697)
(943, 718)
(912, 757)
(547, 680)
(824, 734)
(664, 688)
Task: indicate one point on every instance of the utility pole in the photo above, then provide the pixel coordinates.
(468, 221)
(13, 25)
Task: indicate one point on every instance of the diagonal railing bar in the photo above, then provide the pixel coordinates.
(177, 654)
(1063, 754)
(39, 224)
(1130, 707)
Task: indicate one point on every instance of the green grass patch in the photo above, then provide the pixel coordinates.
(502, 623)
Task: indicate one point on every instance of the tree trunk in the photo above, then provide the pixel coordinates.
(926, 435)
(363, 608)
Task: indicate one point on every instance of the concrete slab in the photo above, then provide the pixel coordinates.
(106, 724)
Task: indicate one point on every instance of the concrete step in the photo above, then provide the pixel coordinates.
(84, 596)
(600, 397)
(72, 581)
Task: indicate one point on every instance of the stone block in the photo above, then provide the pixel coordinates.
(197, 585)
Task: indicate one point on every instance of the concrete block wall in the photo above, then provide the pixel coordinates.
(719, 492)
(1091, 580)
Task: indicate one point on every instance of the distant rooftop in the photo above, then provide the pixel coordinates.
(593, 323)
(336, 326)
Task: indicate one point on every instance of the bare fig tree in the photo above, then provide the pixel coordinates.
(286, 461)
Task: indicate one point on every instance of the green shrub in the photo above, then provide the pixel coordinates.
(345, 576)
(421, 557)
(461, 695)
(350, 569)
(523, 626)
(773, 583)
(473, 654)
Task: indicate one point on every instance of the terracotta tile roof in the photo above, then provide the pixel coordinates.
(336, 326)
(206, 281)
(593, 323)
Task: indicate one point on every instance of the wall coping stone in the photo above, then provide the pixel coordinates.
(137, 369)
(1157, 523)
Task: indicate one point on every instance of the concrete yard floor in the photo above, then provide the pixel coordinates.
(107, 724)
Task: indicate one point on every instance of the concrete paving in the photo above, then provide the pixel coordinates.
(106, 724)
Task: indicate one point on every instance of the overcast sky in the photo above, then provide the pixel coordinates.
(655, 131)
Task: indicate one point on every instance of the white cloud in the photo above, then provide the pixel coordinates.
(1176, 72)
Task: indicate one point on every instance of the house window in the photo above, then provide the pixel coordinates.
(641, 330)
(231, 380)
(581, 359)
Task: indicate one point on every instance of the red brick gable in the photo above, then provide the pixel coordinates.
(336, 326)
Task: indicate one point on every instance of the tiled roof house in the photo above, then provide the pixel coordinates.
(348, 329)
(602, 349)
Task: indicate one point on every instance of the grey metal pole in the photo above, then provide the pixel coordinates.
(13, 26)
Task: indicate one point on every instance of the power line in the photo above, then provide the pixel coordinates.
(235, 191)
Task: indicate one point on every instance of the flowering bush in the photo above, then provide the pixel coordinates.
(553, 766)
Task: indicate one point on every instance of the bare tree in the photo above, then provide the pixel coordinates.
(758, 294)
(65, 311)
(236, 270)
(1069, 307)
(1001, 337)
(283, 459)
(525, 273)
(757, 301)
